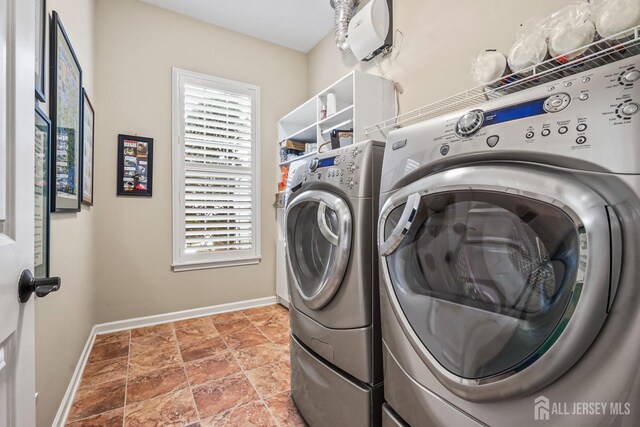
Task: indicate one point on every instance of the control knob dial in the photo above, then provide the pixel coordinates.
(630, 109)
(470, 123)
(627, 109)
(631, 76)
(313, 165)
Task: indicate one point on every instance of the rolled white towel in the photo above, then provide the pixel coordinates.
(527, 51)
(568, 42)
(489, 66)
(570, 29)
(615, 16)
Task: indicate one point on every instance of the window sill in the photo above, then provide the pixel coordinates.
(177, 268)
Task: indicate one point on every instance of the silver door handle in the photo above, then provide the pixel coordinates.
(615, 236)
(406, 220)
(324, 227)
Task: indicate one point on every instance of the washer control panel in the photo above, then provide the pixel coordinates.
(593, 116)
(343, 168)
(549, 123)
(473, 121)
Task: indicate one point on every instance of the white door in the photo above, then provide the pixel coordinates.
(17, 367)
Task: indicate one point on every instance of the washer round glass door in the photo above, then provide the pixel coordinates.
(487, 279)
(318, 245)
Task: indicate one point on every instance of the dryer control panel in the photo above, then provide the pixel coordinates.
(593, 117)
(346, 168)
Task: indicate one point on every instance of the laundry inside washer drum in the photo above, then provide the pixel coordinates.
(484, 278)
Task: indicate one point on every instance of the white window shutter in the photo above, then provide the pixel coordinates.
(219, 200)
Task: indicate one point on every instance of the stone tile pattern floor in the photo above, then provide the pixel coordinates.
(228, 369)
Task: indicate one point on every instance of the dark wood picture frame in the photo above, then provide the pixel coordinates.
(135, 166)
(41, 49)
(42, 179)
(87, 199)
(70, 201)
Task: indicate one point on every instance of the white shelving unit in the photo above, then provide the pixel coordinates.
(361, 100)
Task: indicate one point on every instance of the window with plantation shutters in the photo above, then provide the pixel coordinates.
(215, 165)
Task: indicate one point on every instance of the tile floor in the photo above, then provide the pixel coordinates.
(229, 369)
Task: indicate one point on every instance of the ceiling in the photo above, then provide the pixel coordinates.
(296, 24)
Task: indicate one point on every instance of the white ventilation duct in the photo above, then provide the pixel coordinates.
(344, 12)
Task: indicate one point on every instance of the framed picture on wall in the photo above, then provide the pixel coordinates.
(41, 231)
(41, 25)
(65, 89)
(88, 133)
(135, 166)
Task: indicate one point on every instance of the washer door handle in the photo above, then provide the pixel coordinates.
(324, 227)
(615, 236)
(404, 224)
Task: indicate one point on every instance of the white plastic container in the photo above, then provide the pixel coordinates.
(332, 104)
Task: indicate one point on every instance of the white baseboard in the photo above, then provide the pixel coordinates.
(70, 393)
(122, 325)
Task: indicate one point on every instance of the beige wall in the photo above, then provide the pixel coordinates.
(137, 45)
(441, 39)
(64, 319)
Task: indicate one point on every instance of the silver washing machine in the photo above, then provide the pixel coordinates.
(509, 239)
(336, 358)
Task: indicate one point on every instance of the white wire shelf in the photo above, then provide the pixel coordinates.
(604, 51)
